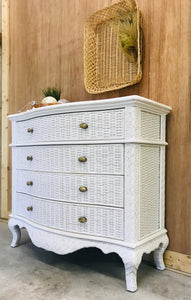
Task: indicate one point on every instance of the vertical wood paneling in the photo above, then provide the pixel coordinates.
(5, 94)
(46, 48)
(167, 41)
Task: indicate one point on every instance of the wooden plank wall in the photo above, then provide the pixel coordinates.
(46, 48)
(5, 186)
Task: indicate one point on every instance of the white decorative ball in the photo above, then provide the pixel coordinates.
(49, 99)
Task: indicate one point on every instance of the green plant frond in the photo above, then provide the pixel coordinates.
(53, 92)
(126, 25)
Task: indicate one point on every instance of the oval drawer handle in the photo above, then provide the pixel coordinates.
(82, 159)
(83, 189)
(29, 183)
(84, 125)
(29, 158)
(30, 130)
(82, 219)
(29, 208)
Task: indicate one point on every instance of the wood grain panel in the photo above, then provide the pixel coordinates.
(46, 48)
(5, 199)
(178, 261)
(167, 41)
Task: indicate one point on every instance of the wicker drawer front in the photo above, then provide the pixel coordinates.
(101, 159)
(99, 221)
(107, 124)
(94, 189)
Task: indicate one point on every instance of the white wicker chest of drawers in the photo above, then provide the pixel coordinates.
(92, 174)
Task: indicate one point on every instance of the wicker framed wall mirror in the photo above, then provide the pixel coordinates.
(113, 48)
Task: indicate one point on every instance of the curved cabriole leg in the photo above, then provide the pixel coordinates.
(131, 277)
(16, 232)
(131, 264)
(158, 254)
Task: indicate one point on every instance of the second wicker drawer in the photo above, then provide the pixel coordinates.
(98, 159)
(92, 189)
(85, 219)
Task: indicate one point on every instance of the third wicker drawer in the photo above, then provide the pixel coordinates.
(91, 189)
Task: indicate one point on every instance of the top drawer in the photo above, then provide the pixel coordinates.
(95, 125)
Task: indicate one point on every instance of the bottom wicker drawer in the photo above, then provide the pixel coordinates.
(99, 221)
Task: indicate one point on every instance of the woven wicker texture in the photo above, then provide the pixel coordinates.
(106, 65)
(107, 124)
(101, 159)
(97, 186)
(106, 222)
(101, 189)
(150, 126)
(150, 190)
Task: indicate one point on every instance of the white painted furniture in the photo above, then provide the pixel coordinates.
(91, 174)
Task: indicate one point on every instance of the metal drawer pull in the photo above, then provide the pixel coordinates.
(82, 158)
(30, 130)
(83, 189)
(82, 219)
(83, 125)
(29, 183)
(29, 158)
(29, 208)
